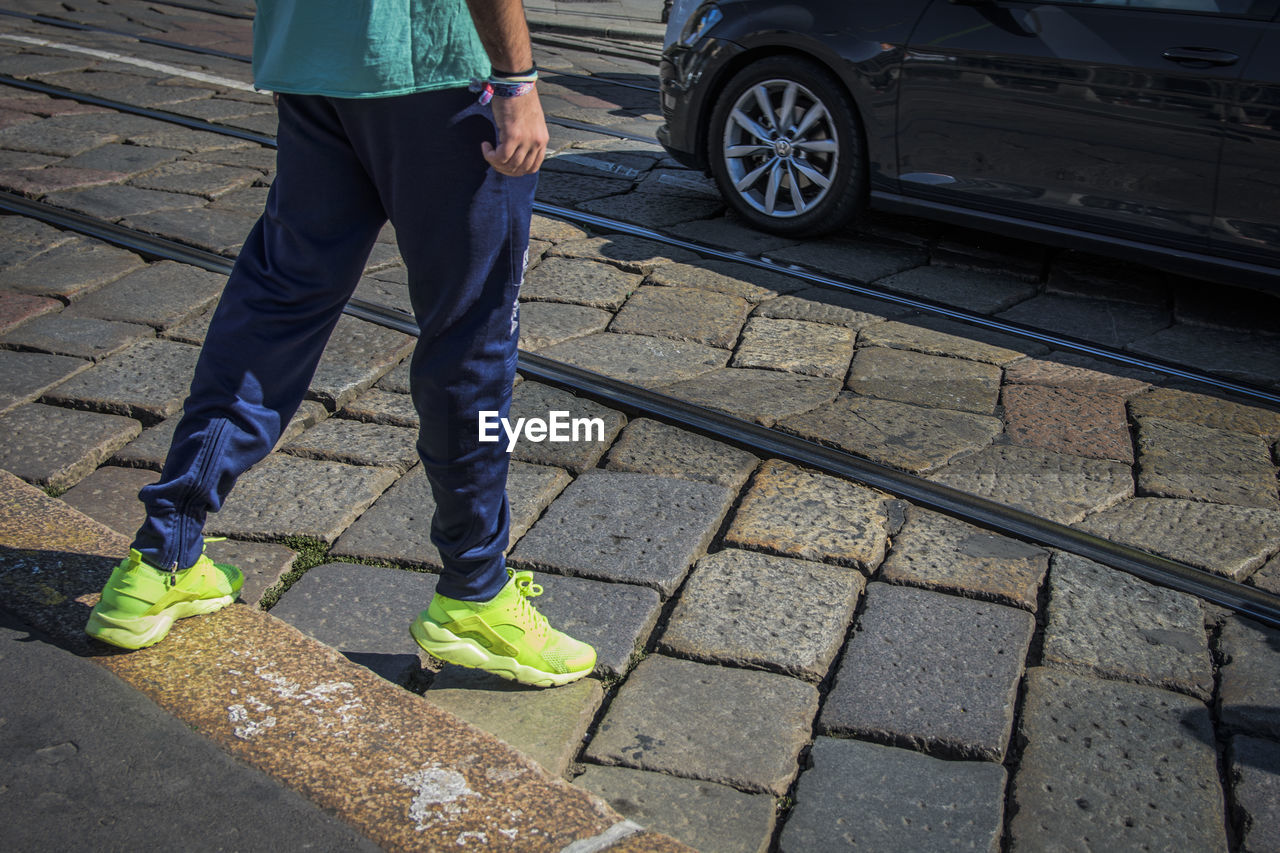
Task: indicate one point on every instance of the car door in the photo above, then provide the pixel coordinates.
(1094, 116)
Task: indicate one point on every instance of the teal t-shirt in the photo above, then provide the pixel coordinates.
(365, 48)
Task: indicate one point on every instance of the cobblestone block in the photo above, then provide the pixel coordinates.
(628, 253)
(793, 512)
(1268, 577)
(932, 672)
(1181, 460)
(162, 135)
(18, 308)
(390, 294)
(554, 230)
(1207, 410)
(45, 137)
(1227, 540)
(685, 314)
(535, 400)
(40, 182)
(376, 406)
(982, 250)
(1255, 777)
(1247, 357)
(263, 564)
(762, 396)
(851, 259)
(579, 282)
(114, 203)
(729, 726)
(833, 307)
(1076, 372)
(1051, 485)
(633, 528)
(546, 725)
(125, 159)
(726, 277)
(21, 239)
(1101, 321)
(623, 165)
(160, 295)
(220, 231)
(1249, 692)
(57, 448)
(567, 189)
(250, 200)
(925, 380)
(795, 346)
(545, 324)
(253, 157)
(1077, 423)
(1114, 766)
(945, 337)
(70, 270)
(362, 611)
(751, 610)
(938, 552)
(708, 817)
(1077, 274)
(287, 496)
(110, 496)
(358, 354)
(357, 443)
(655, 210)
(637, 359)
(24, 376)
(1111, 625)
(898, 434)
(652, 447)
(869, 797)
(148, 381)
(976, 290)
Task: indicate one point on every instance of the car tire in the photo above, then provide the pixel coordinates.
(800, 177)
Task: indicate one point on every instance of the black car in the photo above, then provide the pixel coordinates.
(1147, 129)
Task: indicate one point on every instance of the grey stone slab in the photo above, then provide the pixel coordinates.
(110, 496)
(568, 189)
(250, 200)
(1249, 691)
(148, 381)
(67, 333)
(1227, 540)
(185, 139)
(546, 725)
(47, 138)
(685, 314)
(862, 796)
(1255, 790)
(70, 270)
(129, 159)
(652, 447)
(726, 277)
(983, 250)
(655, 210)
(678, 182)
(752, 610)
(946, 337)
(376, 406)
(974, 290)
(623, 165)
(638, 359)
(762, 396)
(545, 324)
(833, 307)
(633, 528)
(254, 157)
(535, 400)
(263, 564)
(794, 512)
(632, 254)
(24, 376)
(358, 354)
(220, 231)
(1108, 624)
(1114, 766)
(161, 295)
(1209, 410)
(797, 346)
(730, 726)
(285, 496)
(554, 230)
(931, 671)
(579, 282)
(358, 443)
(941, 553)
(388, 294)
(1078, 274)
(56, 447)
(1051, 485)
(925, 380)
(851, 259)
(1268, 577)
(21, 239)
(708, 817)
(913, 438)
(19, 308)
(1182, 460)
(362, 611)
(1077, 372)
(1100, 321)
(1248, 357)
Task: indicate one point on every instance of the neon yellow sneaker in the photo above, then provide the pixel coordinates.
(506, 636)
(140, 603)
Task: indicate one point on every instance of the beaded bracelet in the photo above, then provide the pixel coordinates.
(504, 85)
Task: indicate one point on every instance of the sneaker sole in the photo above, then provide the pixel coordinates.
(450, 648)
(148, 630)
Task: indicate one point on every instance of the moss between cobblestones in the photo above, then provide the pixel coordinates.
(311, 553)
(56, 491)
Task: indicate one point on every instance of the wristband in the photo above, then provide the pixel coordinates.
(503, 85)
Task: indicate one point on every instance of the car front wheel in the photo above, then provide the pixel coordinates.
(784, 148)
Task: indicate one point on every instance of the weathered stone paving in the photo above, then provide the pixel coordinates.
(763, 631)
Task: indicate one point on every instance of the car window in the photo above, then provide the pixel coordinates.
(1264, 9)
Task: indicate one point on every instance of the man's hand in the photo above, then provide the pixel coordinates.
(522, 135)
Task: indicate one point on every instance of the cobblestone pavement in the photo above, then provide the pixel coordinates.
(787, 660)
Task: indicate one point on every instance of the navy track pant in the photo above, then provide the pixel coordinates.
(344, 167)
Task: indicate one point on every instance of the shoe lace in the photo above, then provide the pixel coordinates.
(528, 614)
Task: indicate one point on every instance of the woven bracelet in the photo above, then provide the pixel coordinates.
(505, 86)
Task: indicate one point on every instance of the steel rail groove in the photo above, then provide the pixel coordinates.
(1249, 601)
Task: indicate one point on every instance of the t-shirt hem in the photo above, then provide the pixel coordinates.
(288, 89)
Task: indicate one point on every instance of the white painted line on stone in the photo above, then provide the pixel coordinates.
(615, 833)
(225, 82)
